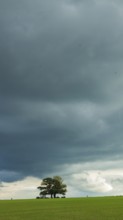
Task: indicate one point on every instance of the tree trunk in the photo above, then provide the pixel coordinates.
(54, 195)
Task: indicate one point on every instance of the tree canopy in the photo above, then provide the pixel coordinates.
(52, 186)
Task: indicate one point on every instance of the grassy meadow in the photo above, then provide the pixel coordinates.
(97, 208)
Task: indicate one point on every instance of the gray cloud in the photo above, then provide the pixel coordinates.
(62, 60)
(60, 85)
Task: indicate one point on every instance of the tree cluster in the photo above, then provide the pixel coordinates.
(52, 186)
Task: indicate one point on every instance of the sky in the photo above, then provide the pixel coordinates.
(61, 87)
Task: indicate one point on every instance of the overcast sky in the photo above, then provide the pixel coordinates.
(61, 96)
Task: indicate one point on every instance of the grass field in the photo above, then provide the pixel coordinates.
(99, 208)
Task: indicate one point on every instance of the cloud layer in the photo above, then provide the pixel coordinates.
(61, 89)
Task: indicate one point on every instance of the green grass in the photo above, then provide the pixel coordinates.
(99, 208)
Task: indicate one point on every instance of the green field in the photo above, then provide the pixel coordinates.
(99, 208)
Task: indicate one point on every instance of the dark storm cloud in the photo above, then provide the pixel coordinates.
(60, 84)
(48, 56)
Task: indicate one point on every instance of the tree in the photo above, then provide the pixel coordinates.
(52, 186)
